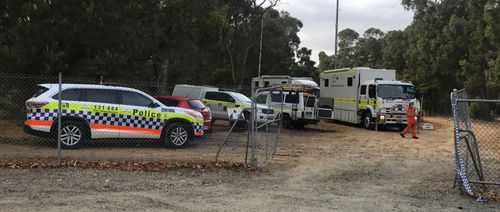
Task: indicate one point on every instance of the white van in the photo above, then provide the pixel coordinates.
(192, 91)
(224, 105)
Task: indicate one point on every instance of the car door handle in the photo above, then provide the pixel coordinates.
(84, 107)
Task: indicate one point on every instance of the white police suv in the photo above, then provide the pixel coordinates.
(101, 111)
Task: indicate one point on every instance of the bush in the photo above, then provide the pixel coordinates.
(481, 111)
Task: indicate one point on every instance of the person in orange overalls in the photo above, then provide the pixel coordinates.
(410, 118)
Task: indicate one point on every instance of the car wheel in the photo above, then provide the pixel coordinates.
(178, 135)
(367, 121)
(72, 134)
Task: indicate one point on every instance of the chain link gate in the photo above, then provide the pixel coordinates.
(264, 135)
(477, 145)
(258, 127)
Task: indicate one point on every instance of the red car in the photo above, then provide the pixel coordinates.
(189, 103)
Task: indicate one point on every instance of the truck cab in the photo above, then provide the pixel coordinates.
(387, 100)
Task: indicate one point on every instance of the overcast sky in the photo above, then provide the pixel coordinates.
(318, 17)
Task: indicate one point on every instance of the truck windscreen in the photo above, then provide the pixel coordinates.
(396, 91)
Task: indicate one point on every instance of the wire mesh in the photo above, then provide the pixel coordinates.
(477, 144)
(267, 120)
(116, 121)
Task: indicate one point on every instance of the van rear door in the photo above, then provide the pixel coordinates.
(310, 106)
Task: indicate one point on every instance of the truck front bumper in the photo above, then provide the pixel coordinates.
(392, 119)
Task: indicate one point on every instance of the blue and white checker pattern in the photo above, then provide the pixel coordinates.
(198, 128)
(42, 114)
(99, 118)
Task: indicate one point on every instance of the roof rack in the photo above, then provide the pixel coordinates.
(300, 88)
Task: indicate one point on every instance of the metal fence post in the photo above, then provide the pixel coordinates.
(59, 113)
(252, 138)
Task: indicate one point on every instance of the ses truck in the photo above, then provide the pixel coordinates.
(359, 95)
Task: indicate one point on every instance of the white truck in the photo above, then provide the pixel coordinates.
(299, 98)
(367, 96)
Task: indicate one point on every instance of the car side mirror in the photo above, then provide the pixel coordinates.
(154, 105)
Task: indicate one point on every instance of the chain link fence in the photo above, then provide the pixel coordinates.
(477, 145)
(116, 120)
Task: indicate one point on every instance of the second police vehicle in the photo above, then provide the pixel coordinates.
(224, 105)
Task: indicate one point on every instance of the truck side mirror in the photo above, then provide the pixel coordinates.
(418, 94)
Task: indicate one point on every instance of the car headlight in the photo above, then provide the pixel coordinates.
(382, 117)
(195, 115)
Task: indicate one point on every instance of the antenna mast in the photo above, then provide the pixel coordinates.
(336, 34)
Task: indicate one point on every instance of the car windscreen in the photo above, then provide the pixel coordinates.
(396, 91)
(196, 104)
(242, 98)
(40, 91)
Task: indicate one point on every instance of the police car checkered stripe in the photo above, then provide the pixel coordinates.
(99, 118)
(198, 128)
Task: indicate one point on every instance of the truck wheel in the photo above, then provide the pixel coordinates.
(299, 125)
(178, 135)
(73, 134)
(287, 122)
(367, 121)
(401, 127)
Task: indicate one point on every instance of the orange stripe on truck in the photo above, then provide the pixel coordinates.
(125, 128)
(32, 122)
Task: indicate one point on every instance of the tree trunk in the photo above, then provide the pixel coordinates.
(243, 67)
(162, 76)
(231, 61)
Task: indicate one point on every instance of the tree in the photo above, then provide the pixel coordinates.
(347, 40)
(304, 67)
(325, 62)
(369, 48)
(393, 49)
(160, 41)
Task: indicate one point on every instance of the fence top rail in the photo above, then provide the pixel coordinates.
(479, 100)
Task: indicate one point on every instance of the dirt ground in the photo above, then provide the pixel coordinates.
(326, 167)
